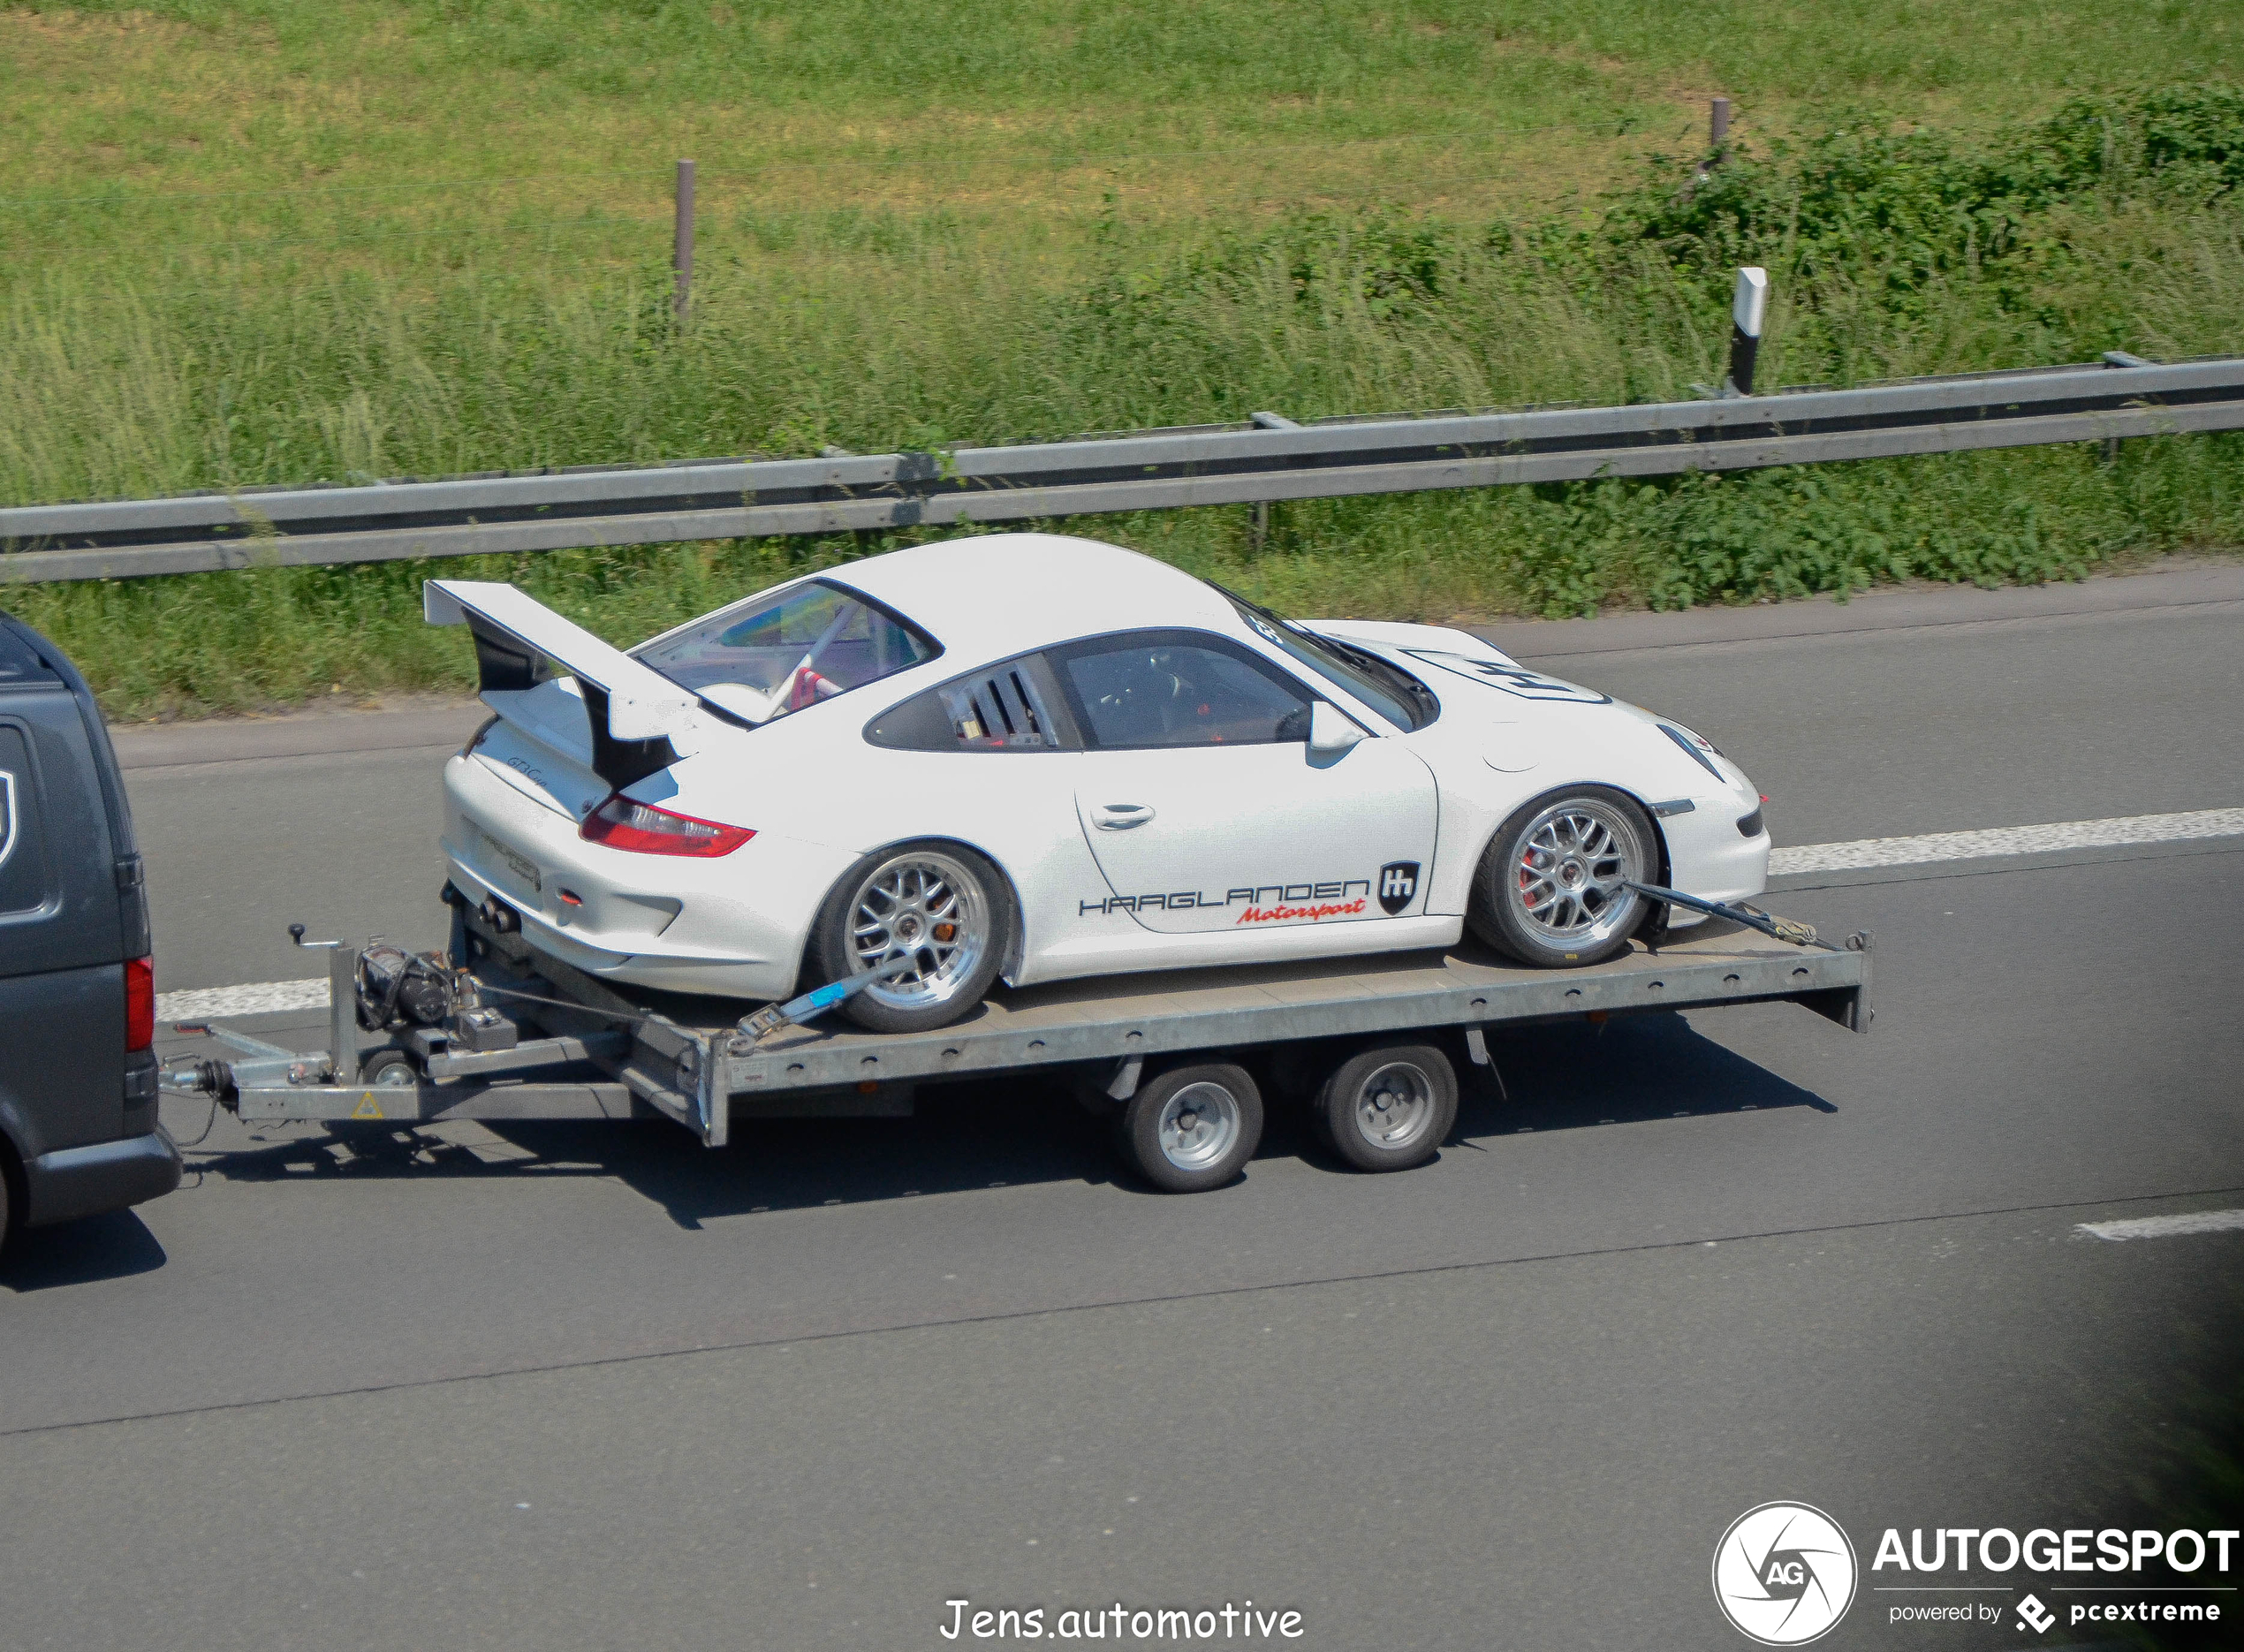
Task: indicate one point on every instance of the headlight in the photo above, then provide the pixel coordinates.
(1697, 747)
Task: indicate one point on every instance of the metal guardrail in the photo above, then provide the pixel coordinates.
(1271, 459)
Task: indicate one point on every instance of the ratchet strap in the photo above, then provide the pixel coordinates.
(1737, 911)
(772, 1017)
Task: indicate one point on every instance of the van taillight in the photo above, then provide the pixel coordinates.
(140, 1003)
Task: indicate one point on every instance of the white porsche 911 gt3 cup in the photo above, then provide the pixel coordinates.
(1032, 757)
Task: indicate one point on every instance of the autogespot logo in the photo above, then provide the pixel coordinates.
(1783, 1574)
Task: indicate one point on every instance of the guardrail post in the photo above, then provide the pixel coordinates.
(1258, 522)
(1748, 309)
(682, 245)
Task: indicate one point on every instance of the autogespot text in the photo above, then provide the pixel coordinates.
(1118, 1622)
(2042, 1549)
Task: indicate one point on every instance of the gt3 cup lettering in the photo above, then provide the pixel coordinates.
(1340, 889)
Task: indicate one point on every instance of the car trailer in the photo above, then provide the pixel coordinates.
(495, 1029)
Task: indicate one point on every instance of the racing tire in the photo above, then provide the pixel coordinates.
(1192, 1127)
(1388, 1108)
(939, 904)
(1549, 889)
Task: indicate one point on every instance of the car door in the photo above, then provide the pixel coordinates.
(1204, 807)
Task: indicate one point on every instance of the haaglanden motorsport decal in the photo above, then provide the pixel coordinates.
(1347, 897)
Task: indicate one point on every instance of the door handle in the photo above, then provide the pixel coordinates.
(1120, 816)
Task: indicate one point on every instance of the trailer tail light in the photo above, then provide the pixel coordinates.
(140, 1003)
(622, 822)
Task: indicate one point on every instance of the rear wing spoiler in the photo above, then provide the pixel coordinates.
(639, 720)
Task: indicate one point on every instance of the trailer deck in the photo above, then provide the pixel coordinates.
(580, 1048)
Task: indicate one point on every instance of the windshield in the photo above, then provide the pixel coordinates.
(764, 658)
(1387, 689)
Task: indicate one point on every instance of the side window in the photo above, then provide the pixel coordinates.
(22, 869)
(1004, 708)
(1154, 688)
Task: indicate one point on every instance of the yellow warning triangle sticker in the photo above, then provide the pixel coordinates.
(367, 1107)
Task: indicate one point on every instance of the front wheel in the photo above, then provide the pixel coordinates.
(936, 913)
(1552, 890)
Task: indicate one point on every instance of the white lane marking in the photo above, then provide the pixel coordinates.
(1973, 845)
(258, 997)
(2163, 1227)
(263, 997)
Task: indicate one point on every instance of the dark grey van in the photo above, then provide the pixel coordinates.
(78, 1071)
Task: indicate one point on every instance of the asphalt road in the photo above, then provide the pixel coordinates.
(580, 1387)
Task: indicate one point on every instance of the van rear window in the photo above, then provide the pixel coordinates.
(17, 662)
(23, 867)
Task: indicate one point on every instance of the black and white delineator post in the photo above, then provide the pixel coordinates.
(1748, 310)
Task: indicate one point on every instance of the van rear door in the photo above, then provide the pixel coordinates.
(63, 928)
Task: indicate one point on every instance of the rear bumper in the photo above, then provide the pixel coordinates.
(734, 926)
(73, 1182)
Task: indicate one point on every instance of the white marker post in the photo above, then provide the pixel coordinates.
(1748, 310)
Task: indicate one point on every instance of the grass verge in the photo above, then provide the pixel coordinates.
(948, 290)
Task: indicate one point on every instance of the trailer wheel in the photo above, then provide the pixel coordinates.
(389, 1070)
(1388, 1108)
(1194, 1127)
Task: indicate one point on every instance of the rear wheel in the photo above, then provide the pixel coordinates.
(1192, 1127)
(1388, 1108)
(938, 913)
(1552, 889)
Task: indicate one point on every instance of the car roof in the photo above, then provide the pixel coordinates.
(996, 593)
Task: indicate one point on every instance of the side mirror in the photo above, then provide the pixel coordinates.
(1332, 730)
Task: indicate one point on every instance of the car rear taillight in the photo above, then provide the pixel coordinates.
(622, 822)
(140, 1003)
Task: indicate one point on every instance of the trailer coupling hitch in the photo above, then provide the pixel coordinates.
(772, 1017)
(255, 1063)
(1752, 917)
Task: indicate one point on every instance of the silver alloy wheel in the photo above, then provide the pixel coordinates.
(1393, 1106)
(1567, 879)
(1198, 1126)
(928, 908)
